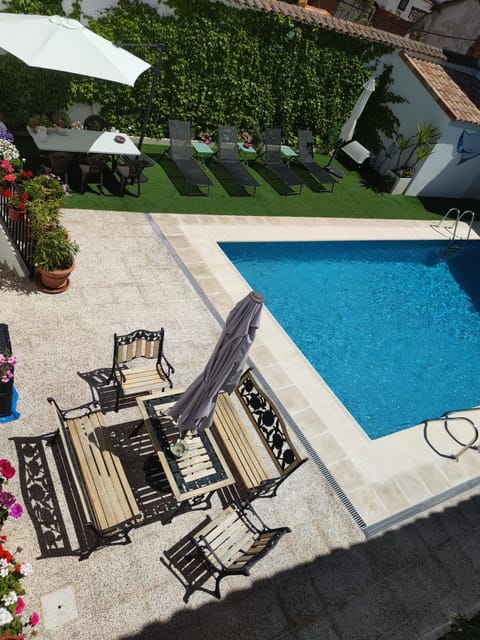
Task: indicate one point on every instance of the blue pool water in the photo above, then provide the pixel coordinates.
(392, 327)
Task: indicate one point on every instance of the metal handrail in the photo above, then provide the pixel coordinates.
(19, 234)
(459, 219)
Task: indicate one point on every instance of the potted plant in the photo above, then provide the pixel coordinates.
(420, 146)
(40, 120)
(17, 204)
(46, 187)
(8, 177)
(54, 256)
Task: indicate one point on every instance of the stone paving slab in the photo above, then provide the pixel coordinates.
(323, 580)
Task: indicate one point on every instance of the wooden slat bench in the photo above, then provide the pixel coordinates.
(262, 475)
(232, 542)
(106, 498)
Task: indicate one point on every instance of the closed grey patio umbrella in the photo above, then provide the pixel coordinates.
(195, 409)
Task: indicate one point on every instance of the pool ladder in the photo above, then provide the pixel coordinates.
(456, 243)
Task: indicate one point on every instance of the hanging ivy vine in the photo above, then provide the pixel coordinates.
(220, 66)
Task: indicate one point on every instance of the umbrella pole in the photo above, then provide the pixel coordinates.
(155, 80)
(334, 170)
(156, 77)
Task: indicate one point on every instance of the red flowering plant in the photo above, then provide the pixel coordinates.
(8, 175)
(12, 603)
(17, 199)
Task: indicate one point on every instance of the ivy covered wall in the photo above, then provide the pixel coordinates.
(220, 65)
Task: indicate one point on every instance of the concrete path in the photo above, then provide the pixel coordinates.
(324, 580)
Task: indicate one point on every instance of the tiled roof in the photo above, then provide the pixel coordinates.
(457, 92)
(322, 21)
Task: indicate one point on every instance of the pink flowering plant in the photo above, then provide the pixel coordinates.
(7, 365)
(9, 506)
(12, 603)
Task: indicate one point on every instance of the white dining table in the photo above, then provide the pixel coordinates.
(85, 141)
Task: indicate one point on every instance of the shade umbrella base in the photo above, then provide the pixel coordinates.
(338, 173)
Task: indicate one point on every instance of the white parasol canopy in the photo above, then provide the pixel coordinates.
(348, 129)
(195, 408)
(63, 44)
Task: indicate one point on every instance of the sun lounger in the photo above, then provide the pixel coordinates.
(181, 154)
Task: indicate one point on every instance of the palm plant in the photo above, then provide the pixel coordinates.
(420, 145)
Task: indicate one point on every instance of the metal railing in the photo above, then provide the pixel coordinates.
(19, 234)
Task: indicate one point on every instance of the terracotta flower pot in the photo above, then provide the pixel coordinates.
(56, 281)
(15, 215)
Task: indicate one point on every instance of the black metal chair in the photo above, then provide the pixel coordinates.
(233, 542)
(181, 154)
(274, 162)
(95, 122)
(132, 380)
(307, 161)
(92, 171)
(131, 173)
(58, 163)
(229, 158)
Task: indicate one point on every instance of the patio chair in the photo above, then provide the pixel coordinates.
(58, 163)
(92, 170)
(181, 154)
(274, 162)
(307, 161)
(95, 122)
(131, 173)
(133, 379)
(229, 158)
(234, 541)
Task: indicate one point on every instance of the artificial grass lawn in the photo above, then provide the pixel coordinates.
(353, 196)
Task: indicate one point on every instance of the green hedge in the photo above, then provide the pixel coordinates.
(220, 66)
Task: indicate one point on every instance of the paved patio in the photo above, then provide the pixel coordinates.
(323, 580)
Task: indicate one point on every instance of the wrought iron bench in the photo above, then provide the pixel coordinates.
(106, 498)
(261, 474)
(232, 542)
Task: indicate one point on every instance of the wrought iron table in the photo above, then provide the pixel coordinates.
(200, 470)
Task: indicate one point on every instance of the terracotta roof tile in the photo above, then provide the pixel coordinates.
(318, 19)
(457, 92)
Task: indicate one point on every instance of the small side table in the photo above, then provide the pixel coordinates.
(202, 150)
(247, 154)
(288, 153)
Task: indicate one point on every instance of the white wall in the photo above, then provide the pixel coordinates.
(439, 175)
(95, 7)
(392, 6)
(442, 176)
(8, 256)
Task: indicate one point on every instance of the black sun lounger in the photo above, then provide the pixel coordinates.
(307, 161)
(273, 160)
(229, 158)
(181, 154)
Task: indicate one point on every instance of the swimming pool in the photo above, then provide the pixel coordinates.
(392, 327)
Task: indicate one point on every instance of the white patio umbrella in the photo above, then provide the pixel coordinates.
(195, 408)
(348, 128)
(62, 44)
